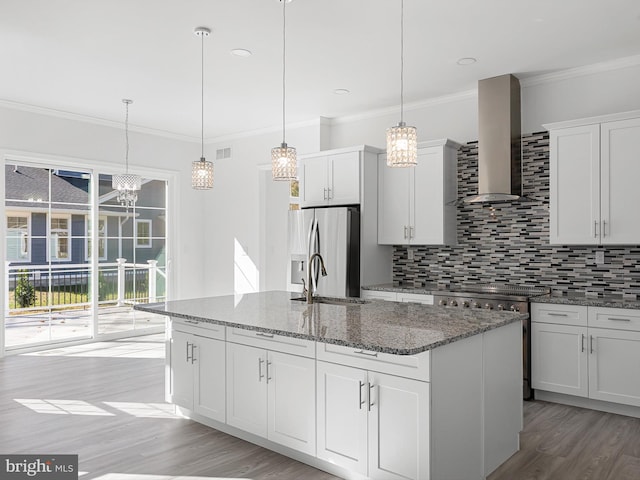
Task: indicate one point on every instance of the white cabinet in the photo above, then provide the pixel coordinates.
(330, 179)
(415, 205)
(198, 369)
(586, 351)
(271, 393)
(593, 177)
(373, 423)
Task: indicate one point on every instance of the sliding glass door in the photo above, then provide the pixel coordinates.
(76, 261)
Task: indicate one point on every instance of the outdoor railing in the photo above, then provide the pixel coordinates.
(44, 287)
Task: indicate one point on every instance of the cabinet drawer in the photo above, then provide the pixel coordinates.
(409, 366)
(269, 341)
(615, 318)
(203, 329)
(560, 314)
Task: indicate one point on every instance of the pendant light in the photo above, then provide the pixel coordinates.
(402, 146)
(126, 184)
(202, 170)
(284, 164)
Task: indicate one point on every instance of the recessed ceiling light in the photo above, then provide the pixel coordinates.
(241, 52)
(466, 61)
(341, 91)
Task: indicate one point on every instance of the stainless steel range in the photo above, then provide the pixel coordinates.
(497, 297)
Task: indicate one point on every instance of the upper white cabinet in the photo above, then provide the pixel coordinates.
(330, 179)
(594, 174)
(415, 205)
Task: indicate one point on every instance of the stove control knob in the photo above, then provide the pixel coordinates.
(500, 307)
(443, 303)
(488, 306)
(453, 303)
(465, 304)
(476, 305)
(514, 308)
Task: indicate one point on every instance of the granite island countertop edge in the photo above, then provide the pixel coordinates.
(161, 309)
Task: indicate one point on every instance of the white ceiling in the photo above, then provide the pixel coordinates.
(84, 56)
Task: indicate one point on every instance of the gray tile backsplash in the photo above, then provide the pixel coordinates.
(510, 242)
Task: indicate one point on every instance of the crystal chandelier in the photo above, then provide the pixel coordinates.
(284, 164)
(402, 144)
(202, 170)
(127, 184)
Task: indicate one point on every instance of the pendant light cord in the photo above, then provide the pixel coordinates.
(126, 135)
(202, 97)
(284, 50)
(401, 61)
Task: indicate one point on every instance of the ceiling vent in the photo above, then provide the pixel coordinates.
(223, 153)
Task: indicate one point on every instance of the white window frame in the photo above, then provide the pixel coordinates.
(26, 239)
(101, 237)
(148, 239)
(51, 237)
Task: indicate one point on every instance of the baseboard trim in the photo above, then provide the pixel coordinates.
(628, 410)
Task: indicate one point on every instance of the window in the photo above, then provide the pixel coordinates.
(102, 238)
(17, 237)
(60, 238)
(294, 195)
(143, 233)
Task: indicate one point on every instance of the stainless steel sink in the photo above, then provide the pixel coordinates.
(333, 300)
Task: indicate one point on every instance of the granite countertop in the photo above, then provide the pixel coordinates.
(577, 298)
(376, 325)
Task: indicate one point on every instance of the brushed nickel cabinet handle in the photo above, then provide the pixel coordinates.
(595, 228)
(370, 402)
(368, 354)
(604, 228)
(405, 231)
(193, 352)
(265, 335)
(556, 314)
(360, 400)
(591, 343)
(260, 375)
(189, 356)
(411, 235)
(617, 319)
(268, 375)
(582, 343)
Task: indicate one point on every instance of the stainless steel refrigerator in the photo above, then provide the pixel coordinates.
(334, 232)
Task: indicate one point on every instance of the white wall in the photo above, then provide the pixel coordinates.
(93, 145)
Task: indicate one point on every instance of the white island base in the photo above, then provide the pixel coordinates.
(450, 413)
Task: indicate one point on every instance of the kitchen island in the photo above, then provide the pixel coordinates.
(362, 389)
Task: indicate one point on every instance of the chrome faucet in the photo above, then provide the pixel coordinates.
(323, 271)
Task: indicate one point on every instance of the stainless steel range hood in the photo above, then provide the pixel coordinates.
(499, 150)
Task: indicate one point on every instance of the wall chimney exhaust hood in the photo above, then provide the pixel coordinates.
(499, 144)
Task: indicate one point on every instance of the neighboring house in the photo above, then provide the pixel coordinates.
(50, 204)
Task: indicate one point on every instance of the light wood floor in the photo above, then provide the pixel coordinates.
(105, 402)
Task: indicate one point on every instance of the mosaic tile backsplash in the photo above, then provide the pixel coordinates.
(510, 242)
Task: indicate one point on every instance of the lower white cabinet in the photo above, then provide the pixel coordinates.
(373, 423)
(572, 354)
(197, 371)
(272, 394)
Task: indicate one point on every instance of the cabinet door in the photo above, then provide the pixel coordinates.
(209, 370)
(342, 416)
(247, 388)
(574, 186)
(344, 178)
(398, 428)
(559, 358)
(393, 203)
(427, 198)
(614, 363)
(313, 181)
(181, 369)
(620, 171)
(292, 401)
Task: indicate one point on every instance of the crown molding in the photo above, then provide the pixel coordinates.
(52, 112)
(617, 64)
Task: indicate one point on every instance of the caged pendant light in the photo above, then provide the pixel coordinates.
(402, 143)
(284, 165)
(202, 170)
(126, 184)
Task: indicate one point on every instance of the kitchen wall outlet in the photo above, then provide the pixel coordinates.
(409, 253)
(599, 257)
